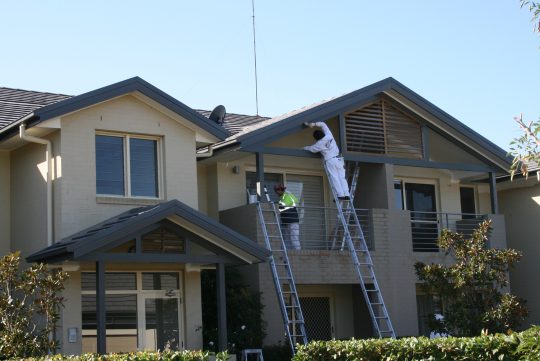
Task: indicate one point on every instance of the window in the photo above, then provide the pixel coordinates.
(127, 165)
(143, 311)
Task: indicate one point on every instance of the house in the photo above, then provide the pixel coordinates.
(520, 204)
(145, 192)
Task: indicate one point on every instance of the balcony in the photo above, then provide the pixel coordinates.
(426, 227)
(387, 232)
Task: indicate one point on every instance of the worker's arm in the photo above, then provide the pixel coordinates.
(317, 147)
(321, 125)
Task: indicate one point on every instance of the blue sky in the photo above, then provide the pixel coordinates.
(477, 60)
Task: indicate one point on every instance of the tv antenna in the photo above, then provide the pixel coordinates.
(255, 58)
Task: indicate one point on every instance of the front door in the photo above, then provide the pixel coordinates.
(421, 201)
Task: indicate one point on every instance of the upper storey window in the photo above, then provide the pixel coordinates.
(127, 165)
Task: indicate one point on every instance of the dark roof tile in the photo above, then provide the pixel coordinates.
(16, 103)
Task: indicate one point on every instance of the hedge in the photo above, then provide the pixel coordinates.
(516, 346)
(137, 356)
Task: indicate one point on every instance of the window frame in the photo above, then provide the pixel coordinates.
(141, 295)
(127, 164)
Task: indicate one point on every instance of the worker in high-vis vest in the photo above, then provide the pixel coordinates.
(289, 216)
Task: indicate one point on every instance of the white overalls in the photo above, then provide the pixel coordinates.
(336, 168)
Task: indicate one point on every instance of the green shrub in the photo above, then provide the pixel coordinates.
(30, 303)
(138, 356)
(516, 346)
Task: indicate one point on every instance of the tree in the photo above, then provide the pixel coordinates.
(471, 288)
(245, 327)
(29, 307)
(534, 8)
(525, 149)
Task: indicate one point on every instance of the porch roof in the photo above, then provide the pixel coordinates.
(99, 236)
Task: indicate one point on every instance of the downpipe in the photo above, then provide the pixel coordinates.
(48, 157)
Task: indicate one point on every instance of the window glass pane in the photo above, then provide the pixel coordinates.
(143, 167)
(162, 326)
(270, 180)
(467, 202)
(162, 241)
(113, 281)
(398, 194)
(121, 323)
(109, 165)
(160, 281)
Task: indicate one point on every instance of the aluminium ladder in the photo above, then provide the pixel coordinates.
(283, 278)
(353, 182)
(363, 264)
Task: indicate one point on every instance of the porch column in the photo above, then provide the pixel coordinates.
(221, 307)
(493, 193)
(100, 308)
(259, 165)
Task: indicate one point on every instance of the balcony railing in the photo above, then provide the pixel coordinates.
(320, 228)
(426, 227)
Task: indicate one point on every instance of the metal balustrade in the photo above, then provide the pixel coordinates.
(320, 230)
(426, 227)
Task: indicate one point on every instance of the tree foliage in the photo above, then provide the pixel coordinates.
(29, 307)
(534, 8)
(526, 148)
(245, 327)
(471, 288)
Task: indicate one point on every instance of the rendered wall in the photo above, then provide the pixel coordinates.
(5, 202)
(71, 315)
(80, 206)
(521, 206)
(28, 199)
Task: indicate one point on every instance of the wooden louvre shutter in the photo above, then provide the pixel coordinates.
(382, 129)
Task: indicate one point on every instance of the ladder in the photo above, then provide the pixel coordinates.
(281, 273)
(363, 264)
(353, 182)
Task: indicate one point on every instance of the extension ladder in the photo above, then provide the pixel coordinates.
(281, 273)
(353, 182)
(363, 264)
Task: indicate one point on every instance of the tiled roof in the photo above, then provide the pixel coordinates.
(236, 123)
(16, 103)
(264, 122)
(121, 225)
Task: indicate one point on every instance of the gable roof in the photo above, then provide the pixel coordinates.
(16, 103)
(124, 224)
(271, 129)
(136, 84)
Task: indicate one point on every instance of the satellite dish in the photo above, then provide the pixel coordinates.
(218, 114)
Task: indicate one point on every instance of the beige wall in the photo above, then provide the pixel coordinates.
(447, 184)
(520, 203)
(444, 151)
(5, 202)
(80, 208)
(202, 188)
(193, 310)
(71, 314)
(28, 199)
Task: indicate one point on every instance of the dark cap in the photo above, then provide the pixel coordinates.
(279, 187)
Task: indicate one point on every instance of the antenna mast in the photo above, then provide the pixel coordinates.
(255, 58)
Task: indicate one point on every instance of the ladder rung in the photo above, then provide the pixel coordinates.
(381, 317)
